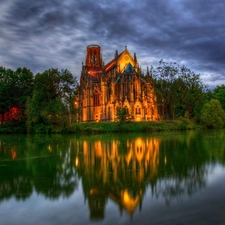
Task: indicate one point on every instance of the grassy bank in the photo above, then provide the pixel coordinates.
(109, 127)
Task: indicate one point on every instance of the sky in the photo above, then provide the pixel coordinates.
(44, 34)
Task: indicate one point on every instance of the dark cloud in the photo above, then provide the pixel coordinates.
(51, 33)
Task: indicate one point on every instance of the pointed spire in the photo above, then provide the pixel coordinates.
(135, 58)
(116, 54)
(147, 71)
(125, 47)
(83, 68)
(148, 75)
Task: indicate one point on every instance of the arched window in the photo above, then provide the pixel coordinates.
(126, 109)
(125, 94)
(96, 99)
(138, 110)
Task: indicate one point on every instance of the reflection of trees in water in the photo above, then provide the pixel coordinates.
(15, 181)
(183, 167)
(55, 177)
(41, 165)
(175, 187)
(120, 168)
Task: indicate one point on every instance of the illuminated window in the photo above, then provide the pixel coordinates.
(138, 111)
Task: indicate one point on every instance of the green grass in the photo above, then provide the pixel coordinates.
(108, 127)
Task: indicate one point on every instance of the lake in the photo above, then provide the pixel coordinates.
(136, 178)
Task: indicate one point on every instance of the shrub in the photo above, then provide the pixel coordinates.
(212, 114)
(122, 114)
(42, 129)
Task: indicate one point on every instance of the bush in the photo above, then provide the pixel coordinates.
(212, 114)
(42, 129)
(122, 114)
(11, 127)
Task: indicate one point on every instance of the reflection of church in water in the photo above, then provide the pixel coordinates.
(119, 83)
(118, 171)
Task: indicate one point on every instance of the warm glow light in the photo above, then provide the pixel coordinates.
(123, 62)
(13, 154)
(138, 142)
(128, 157)
(77, 161)
(129, 203)
(49, 148)
(98, 148)
(138, 118)
(94, 191)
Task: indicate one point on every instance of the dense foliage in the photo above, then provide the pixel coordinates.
(219, 93)
(52, 100)
(180, 92)
(15, 87)
(213, 116)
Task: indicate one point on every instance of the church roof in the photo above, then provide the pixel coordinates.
(129, 68)
(112, 63)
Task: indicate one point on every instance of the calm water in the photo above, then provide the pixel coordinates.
(161, 178)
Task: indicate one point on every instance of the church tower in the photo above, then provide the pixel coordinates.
(93, 58)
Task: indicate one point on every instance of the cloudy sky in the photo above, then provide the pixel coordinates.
(43, 34)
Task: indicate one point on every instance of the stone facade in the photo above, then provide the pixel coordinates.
(119, 83)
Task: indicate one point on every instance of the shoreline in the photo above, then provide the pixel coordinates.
(108, 127)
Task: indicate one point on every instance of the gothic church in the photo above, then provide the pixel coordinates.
(119, 83)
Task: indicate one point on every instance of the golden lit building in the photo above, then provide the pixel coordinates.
(119, 83)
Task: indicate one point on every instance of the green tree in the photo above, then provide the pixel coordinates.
(212, 114)
(219, 93)
(180, 92)
(193, 93)
(52, 98)
(122, 114)
(164, 80)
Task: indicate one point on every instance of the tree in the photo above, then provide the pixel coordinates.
(5, 91)
(15, 87)
(212, 114)
(164, 80)
(193, 93)
(219, 93)
(180, 92)
(52, 98)
(122, 114)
